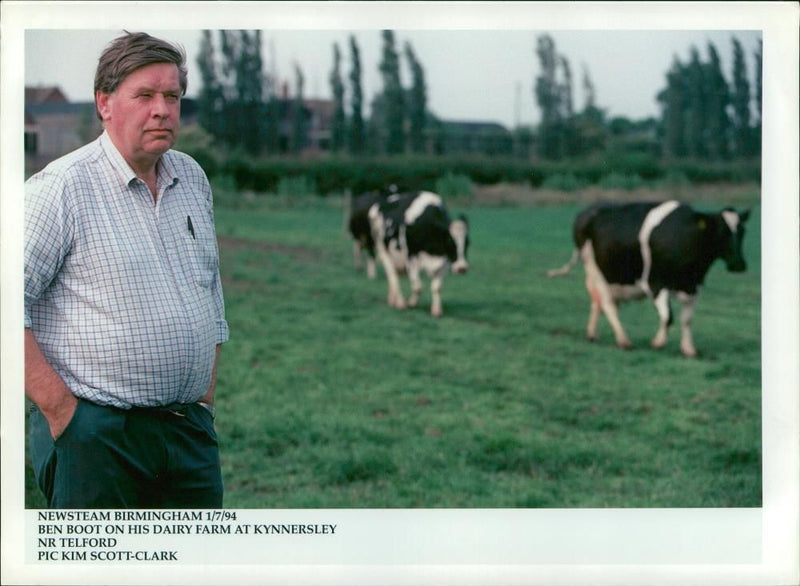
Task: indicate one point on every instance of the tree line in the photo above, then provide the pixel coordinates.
(703, 115)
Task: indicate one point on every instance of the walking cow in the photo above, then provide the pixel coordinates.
(413, 232)
(637, 250)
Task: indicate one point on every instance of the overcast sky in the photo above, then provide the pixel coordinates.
(479, 75)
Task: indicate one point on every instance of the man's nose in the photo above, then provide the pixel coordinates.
(160, 107)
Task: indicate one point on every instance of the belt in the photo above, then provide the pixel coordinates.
(178, 409)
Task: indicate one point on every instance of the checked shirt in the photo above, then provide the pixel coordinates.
(122, 293)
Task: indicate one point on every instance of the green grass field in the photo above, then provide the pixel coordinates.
(328, 398)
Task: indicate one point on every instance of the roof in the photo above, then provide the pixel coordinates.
(473, 126)
(51, 108)
(44, 95)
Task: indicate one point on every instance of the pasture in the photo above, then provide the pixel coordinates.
(328, 398)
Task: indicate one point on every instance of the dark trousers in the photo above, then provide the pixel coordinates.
(139, 458)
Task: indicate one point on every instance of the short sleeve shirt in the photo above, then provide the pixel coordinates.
(123, 294)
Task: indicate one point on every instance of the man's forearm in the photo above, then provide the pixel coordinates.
(209, 396)
(46, 389)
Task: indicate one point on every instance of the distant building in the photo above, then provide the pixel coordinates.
(55, 126)
(320, 115)
(449, 137)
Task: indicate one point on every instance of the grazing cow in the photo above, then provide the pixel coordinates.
(636, 250)
(413, 232)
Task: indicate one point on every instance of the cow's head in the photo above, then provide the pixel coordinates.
(459, 230)
(730, 238)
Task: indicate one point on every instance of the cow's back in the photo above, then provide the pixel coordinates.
(613, 230)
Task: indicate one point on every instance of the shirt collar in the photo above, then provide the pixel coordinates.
(166, 170)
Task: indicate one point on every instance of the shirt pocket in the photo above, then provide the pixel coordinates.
(203, 257)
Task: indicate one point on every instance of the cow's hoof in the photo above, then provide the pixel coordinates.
(625, 345)
(436, 313)
(689, 352)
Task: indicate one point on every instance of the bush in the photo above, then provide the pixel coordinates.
(451, 185)
(674, 178)
(563, 182)
(621, 181)
(296, 186)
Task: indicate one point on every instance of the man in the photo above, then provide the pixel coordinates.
(124, 313)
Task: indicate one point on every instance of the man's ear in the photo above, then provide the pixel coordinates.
(101, 100)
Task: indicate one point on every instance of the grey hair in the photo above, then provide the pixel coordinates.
(131, 51)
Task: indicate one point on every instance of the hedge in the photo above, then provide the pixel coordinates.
(335, 174)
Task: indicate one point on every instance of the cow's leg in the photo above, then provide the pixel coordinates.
(594, 311)
(416, 282)
(661, 302)
(601, 294)
(395, 295)
(687, 311)
(371, 269)
(437, 281)
(357, 255)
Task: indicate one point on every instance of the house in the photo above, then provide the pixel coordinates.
(55, 126)
(466, 137)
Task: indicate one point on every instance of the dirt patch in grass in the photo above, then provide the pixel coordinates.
(296, 252)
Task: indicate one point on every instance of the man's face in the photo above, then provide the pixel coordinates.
(142, 115)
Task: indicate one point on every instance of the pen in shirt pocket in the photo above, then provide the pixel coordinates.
(190, 226)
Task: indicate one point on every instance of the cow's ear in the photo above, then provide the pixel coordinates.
(744, 216)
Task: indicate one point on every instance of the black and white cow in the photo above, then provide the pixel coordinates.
(637, 250)
(413, 232)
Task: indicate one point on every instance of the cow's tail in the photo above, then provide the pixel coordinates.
(567, 267)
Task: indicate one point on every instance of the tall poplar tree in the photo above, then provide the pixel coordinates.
(588, 90)
(339, 122)
(672, 100)
(298, 112)
(356, 134)
(393, 109)
(697, 114)
(210, 100)
(570, 139)
(250, 88)
(548, 96)
(741, 102)
(417, 107)
(758, 56)
(232, 100)
(718, 123)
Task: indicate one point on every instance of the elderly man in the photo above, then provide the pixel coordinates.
(124, 312)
